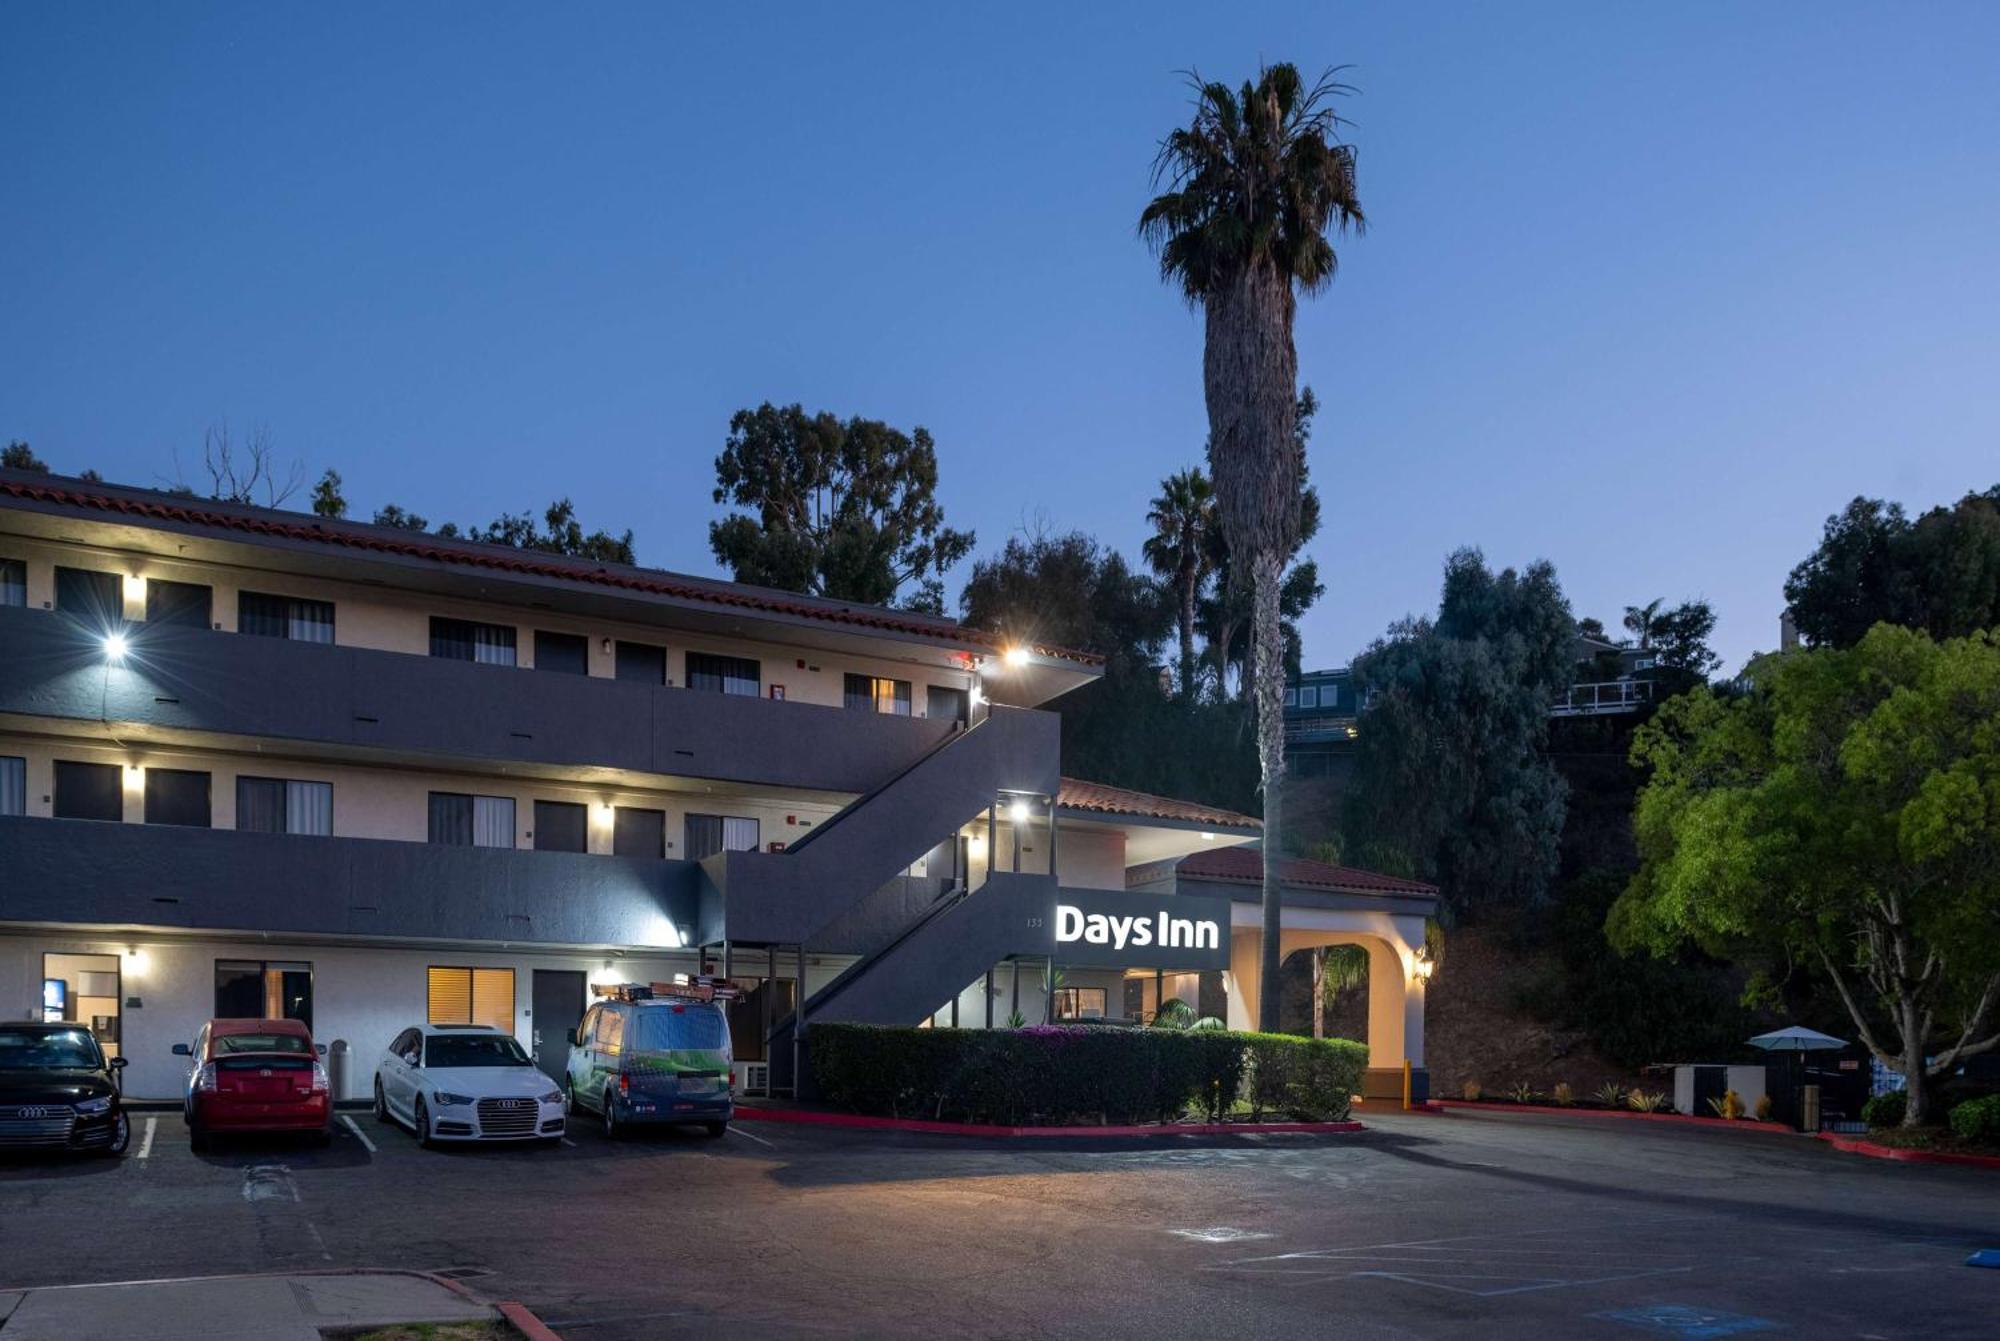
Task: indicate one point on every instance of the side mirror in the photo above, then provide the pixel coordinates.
(180, 1050)
(570, 1034)
(117, 1063)
(410, 1058)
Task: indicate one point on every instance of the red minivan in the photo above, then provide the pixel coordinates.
(255, 1075)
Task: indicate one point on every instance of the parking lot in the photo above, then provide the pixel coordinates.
(1421, 1226)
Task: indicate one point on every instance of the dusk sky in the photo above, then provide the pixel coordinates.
(1647, 290)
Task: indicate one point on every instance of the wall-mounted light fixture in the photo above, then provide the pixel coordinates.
(1015, 657)
(604, 646)
(1018, 812)
(114, 647)
(1422, 965)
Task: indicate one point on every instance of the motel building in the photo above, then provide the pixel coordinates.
(255, 762)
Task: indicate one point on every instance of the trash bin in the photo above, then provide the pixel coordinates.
(336, 1068)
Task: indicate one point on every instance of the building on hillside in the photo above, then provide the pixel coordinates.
(254, 762)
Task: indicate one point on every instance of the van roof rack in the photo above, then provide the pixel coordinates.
(700, 988)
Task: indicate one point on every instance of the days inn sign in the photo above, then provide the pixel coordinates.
(1104, 928)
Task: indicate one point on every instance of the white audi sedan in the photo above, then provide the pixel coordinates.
(466, 1082)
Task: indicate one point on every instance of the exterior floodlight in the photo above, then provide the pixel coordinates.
(1015, 657)
(114, 647)
(1018, 812)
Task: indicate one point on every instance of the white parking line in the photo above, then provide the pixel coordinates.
(146, 1141)
(355, 1127)
(735, 1130)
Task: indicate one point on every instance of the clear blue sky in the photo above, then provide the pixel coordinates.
(1649, 290)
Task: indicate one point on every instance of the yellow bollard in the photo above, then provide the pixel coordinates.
(1406, 1084)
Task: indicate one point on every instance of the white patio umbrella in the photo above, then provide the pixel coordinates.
(1796, 1038)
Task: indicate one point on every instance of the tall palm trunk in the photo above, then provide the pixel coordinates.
(1190, 579)
(1250, 374)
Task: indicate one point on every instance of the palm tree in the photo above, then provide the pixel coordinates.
(1643, 621)
(1182, 518)
(1249, 190)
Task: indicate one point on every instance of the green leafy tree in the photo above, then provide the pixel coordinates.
(1071, 591)
(394, 514)
(326, 497)
(1844, 812)
(1680, 640)
(17, 455)
(1180, 551)
(1254, 183)
(560, 533)
(1452, 779)
(1939, 573)
(841, 508)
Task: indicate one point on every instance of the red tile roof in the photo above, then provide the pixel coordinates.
(1103, 800)
(152, 505)
(1246, 864)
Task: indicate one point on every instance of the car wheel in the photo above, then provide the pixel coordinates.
(121, 1135)
(381, 1102)
(612, 1129)
(197, 1138)
(715, 1128)
(423, 1117)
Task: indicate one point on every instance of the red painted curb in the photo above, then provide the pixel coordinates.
(1739, 1124)
(862, 1122)
(526, 1323)
(1854, 1146)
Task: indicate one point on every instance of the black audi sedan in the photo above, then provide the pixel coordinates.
(56, 1091)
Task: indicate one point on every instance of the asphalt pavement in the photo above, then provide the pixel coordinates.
(1422, 1226)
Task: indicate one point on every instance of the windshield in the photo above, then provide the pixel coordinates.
(48, 1050)
(668, 1029)
(474, 1050)
(225, 1044)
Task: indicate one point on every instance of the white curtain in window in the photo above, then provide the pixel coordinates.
(493, 821)
(739, 835)
(13, 786)
(309, 621)
(493, 645)
(309, 808)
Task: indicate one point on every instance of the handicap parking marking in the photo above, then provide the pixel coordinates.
(1681, 1320)
(348, 1121)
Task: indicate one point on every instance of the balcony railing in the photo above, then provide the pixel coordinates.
(174, 680)
(1608, 696)
(90, 872)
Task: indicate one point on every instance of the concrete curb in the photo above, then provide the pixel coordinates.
(862, 1122)
(1855, 1146)
(1684, 1119)
(526, 1323)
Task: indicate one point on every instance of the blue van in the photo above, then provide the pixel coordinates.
(653, 1055)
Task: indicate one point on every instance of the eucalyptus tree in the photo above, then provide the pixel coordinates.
(1248, 192)
(1180, 551)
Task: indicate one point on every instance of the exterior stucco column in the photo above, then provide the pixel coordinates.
(1240, 982)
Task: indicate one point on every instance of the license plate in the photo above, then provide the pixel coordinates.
(697, 1084)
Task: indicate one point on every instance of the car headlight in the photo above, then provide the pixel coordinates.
(553, 1097)
(453, 1100)
(92, 1107)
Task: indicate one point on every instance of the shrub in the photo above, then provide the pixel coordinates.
(1977, 1120)
(1729, 1107)
(1763, 1108)
(1611, 1094)
(1886, 1110)
(1563, 1096)
(1055, 1074)
(1471, 1090)
(1522, 1093)
(1641, 1101)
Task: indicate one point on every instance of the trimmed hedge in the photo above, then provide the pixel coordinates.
(1051, 1075)
(1977, 1120)
(1885, 1110)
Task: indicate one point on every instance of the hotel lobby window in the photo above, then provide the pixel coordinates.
(463, 640)
(726, 675)
(1080, 1003)
(301, 621)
